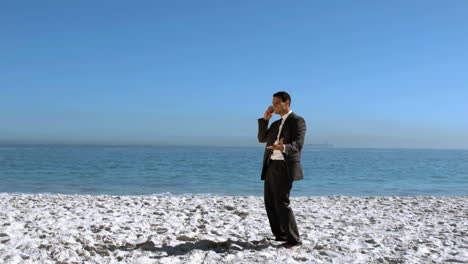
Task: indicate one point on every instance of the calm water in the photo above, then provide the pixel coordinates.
(135, 170)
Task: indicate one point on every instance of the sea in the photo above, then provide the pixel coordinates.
(232, 171)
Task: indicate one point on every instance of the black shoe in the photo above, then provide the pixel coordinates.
(291, 245)
(280, 239)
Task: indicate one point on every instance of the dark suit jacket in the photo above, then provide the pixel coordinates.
(293, 132)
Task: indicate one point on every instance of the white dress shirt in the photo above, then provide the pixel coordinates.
(277, 155)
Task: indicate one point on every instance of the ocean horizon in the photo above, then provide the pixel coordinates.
(227, 170)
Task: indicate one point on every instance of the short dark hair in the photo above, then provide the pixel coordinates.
(284, 96)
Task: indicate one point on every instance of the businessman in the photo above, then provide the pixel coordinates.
(281, 166)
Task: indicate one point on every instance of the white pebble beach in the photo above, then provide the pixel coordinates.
(45, 228)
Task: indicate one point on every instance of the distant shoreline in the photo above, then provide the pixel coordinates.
(201, 195)
(3, 145)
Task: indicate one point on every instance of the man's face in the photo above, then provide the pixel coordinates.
(279, 106)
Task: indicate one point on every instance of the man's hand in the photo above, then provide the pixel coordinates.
(279, 146)
(268, 113)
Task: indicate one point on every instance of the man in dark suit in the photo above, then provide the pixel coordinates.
(281, 166)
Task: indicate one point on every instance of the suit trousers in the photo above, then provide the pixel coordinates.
(276, 195)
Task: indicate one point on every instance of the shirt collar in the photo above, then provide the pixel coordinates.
(286, 115)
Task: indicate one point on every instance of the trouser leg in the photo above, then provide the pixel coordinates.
(270, 203)
(281, 186)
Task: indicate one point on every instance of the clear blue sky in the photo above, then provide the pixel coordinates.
(362, 73)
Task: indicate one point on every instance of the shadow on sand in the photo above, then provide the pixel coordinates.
(184, 248)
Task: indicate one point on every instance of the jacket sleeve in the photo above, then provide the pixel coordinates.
(297, 140)
(262, 130)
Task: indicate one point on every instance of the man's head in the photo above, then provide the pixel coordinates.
(281, 103)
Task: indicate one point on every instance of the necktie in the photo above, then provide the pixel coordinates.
(279, 130)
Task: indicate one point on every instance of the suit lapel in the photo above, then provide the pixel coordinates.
(285, 125)
(274, 129)
(276, 124)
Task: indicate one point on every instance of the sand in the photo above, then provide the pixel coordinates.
(44, 228)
